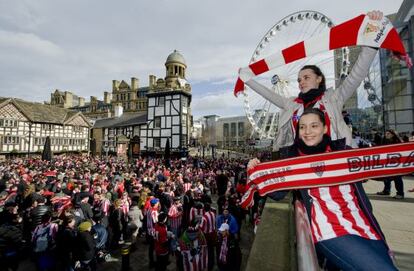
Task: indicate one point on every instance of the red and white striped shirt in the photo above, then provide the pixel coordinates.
(335, 212)
(208, 222)
(105, 204)
(152, 219)
(187, 186)
(175, 217)
(196, 214)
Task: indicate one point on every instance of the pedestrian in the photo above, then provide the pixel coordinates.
(391, 137)
(65, 243)
(161, 242)
(343, 227)
(193, 249)
(208, 227)
(135, 218)
(313, 93)
(85, 247)
(44, 243)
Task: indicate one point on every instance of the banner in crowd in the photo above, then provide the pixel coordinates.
(328, 169)
(359, 31)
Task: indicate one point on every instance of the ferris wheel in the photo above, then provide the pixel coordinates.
(288, 31)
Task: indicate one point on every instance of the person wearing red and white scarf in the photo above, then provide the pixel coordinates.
(152, 219)
(343, 226)
(313, 92)
(196, 212)
(175, 215)
(208, 227)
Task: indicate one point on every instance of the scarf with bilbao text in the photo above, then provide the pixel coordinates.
(329, 169)
(359, 31)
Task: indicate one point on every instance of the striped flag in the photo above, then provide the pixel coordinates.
(358, 31)
(194, 252)
(328, 169)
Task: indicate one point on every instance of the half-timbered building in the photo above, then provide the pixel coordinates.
(167, 115)
(24, 127)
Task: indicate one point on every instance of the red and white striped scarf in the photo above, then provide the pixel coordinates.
(327, 169)
(359, 31)
(223, 250)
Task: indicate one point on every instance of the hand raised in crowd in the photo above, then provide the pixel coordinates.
(375, 15)
(252, 163)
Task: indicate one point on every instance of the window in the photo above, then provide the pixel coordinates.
(8, 123)
(157, 142)
(40, 141)
(241, 128)
(77, 128)
(161, 101)
(157, 122)
(48, 127)
(184, 141)
(184, 101)
(184, 120)
(225, 129)
(233, 129)
(11, 140)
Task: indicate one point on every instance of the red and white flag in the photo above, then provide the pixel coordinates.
(359, 31)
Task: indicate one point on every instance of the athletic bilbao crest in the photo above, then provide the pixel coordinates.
(318, 168)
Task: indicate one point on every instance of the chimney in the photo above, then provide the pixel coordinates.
(115, 85)
(107, 97)
(134, 83)
(152, 80)
(81, 101)
(93, 99)
(118, 110)
(68, 99)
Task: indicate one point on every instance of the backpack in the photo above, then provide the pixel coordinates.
(42, 239)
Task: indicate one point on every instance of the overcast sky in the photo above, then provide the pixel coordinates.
(81, 46)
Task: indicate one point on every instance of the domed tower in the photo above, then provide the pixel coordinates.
(175, 70)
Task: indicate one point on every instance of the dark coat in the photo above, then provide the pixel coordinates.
(66, 240)
(36, 215)
(85, 246)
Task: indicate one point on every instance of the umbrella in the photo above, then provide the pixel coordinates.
(47, 152)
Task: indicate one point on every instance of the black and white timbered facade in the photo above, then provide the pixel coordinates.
(168, 118)
(24, 127)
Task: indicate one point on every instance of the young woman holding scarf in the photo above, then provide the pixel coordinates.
(313, 93)
(343, 227)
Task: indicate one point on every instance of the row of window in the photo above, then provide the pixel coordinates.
(157, 142)
(232, 131)
(9, 140)
(45, 127)
(157, 121)
(8, 123)
(161, 101)
(59, 141)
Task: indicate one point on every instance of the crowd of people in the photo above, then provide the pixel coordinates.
(70, 213)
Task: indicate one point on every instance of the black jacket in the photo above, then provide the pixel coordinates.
(37, 213)
(84, 246)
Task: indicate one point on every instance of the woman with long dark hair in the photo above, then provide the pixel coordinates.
(313, 93)
(343, 227)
